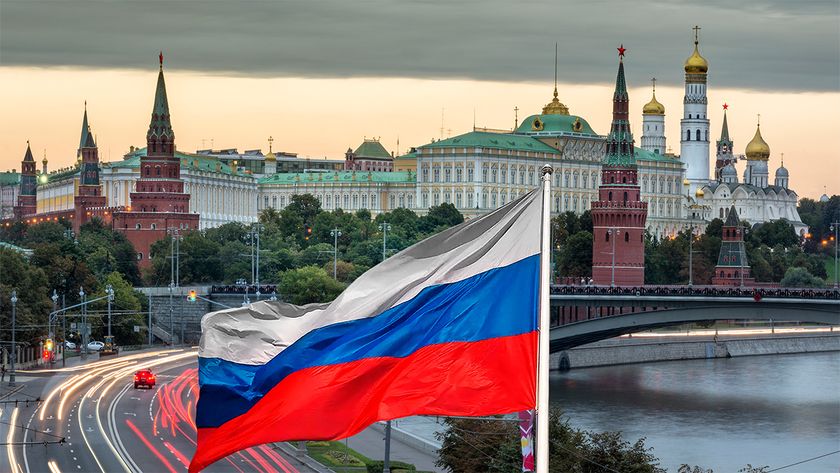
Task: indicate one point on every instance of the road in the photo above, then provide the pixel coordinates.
(108, 426)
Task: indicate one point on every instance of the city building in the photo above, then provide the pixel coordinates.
(159, 203)
(369, 156)
(9, 187)
(619, 214)
(732, 267)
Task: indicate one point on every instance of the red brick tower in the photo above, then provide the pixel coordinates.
(27, 197)
(89, 193)
(618, 217)
(159, 202)
(732, 268)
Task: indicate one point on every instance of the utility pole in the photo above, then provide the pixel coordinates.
(83, 298)
(63, 331)
(49, 327)
(835, 227)
(109, 291)
(257, 228)
(385, 228)
(14, 345)
(690, 256)
(172, 283)
(335, 233)
(614, 233)
(150, 318)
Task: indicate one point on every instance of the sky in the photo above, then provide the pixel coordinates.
(321, 76)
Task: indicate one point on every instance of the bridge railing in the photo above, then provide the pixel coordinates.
(265, 289)
(707, 291)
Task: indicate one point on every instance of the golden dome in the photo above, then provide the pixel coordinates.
(555, 107)
(758, 149)
(696, 64)
(686, 182)
(653, 107)
(699, 193)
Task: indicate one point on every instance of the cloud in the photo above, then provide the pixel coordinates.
(753, 44)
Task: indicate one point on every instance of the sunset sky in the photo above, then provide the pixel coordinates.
(321, 76)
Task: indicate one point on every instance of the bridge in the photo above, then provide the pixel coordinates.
(586, 314)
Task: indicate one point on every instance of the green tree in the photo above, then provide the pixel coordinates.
(126, 311)
(441, 217)
(307, 285)
(575, 256)
(800, 277)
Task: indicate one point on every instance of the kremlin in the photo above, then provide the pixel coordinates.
(160, 189)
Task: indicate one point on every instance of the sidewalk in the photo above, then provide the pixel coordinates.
(371, 443)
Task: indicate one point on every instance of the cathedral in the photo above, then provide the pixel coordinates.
(709, 197)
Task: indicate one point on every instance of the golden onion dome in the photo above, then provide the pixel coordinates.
(653, 107)
(696, 64)
(686, 182)
(758, 149)
(699, 193)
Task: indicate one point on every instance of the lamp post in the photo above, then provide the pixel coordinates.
(258, 227)
(50, 334)
(385, 228)
(109, 291)
(691, 256)
(83, 298)
(835, 227)
(63, 330)
(614, 234)
(335, 233)
(14, 300)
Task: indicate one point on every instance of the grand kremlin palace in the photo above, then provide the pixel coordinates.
(476, 171)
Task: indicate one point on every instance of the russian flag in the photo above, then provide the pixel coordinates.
(445, 327)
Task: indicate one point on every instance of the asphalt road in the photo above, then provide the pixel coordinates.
(107, 425)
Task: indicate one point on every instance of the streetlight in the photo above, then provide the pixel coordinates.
(335, 233)
(384, 227)
(14, 326)
(614, 233)
(243, 282)
(109, 291)
(50, 334)
(691, 256)
(835, 227)
(83, 298)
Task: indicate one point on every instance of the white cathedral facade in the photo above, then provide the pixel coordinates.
(755, 198)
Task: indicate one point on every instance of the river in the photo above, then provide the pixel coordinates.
(719, 413)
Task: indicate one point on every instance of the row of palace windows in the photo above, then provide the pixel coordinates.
(670, 184)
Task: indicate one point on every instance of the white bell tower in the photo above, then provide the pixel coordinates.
(694, 126)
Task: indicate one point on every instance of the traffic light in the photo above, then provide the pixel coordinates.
(48, 345)
(191, 297)
(307, 231)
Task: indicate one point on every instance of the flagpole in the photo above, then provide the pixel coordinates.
(545, 318)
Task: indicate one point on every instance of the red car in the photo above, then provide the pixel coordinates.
(144, 378)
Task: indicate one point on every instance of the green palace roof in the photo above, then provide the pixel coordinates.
(484, 139)
(9, 178)
(372, 149)
(555, 124)
(645, 155)
(192, 161)
(294, 178)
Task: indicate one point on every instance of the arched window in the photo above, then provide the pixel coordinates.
(707, 135)
(137, 226)
(607, 236)
(687, 135)
(624, 180)
(610, 196)
(625, 197)
(626, 236)
(697, 135)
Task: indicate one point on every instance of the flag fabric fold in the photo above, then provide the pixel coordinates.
(445, 327)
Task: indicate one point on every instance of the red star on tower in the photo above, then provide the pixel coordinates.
(725, 106)
(621, 50)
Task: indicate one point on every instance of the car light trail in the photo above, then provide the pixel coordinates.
(10, 440)
(150, 446)
(53, 466)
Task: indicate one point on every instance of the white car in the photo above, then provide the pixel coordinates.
(69, 345)
(95, 346)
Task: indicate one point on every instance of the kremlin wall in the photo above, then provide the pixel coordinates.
(629, 189)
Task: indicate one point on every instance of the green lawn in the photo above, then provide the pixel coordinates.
(340, 459)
